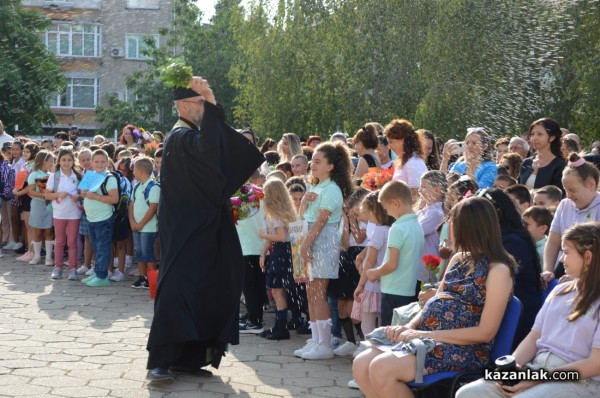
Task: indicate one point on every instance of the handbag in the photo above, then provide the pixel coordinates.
(418, 347)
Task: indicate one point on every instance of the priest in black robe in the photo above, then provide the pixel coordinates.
(201, 269)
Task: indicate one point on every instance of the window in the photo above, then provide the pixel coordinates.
(152, 4)
(136, 44)
(66, 40)
(80, 93)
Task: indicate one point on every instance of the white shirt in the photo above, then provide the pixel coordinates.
(411, 172)
(64, 209)
(5, 137)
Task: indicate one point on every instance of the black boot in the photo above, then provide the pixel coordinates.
(282, 332)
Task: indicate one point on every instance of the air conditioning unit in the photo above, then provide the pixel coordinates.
(117, 52)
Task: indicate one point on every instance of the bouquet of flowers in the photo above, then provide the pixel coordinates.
(246, 201)
(375, 179)
(176, 73)
(431, 264)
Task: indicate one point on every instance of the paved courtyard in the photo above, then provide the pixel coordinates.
(63, 339)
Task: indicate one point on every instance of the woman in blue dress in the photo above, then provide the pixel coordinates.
(464, 315)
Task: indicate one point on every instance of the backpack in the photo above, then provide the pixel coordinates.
(124, 188)
(7, 181)
(151, 184)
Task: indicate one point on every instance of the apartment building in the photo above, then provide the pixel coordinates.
(98, 43)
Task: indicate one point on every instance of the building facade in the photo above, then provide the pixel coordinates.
(98, 43)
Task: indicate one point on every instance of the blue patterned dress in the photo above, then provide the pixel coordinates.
(458, 306)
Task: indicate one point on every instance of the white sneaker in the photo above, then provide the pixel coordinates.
(320, 351)
(117, 276)
(82, 270)
(10, 246)
(345, 349)
(35, 261)
(89, 272)
(49, 262)
(335, 342)
(56, 273)
(309, 346)
(19, 246)
(352, 384)
(110, 274)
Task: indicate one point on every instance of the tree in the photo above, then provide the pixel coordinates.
(29, 73)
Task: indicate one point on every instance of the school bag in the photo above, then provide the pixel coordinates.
(146, 191)
(7, 181)
(124, 188)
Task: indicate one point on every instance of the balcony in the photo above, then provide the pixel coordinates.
(64, 4)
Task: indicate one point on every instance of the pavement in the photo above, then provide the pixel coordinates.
(64, 339)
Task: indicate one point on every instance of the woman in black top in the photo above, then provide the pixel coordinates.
(517, 241)
(546, 167)
(365, 142)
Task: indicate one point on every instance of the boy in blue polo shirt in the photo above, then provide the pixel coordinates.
(142, 218)
(406, 241)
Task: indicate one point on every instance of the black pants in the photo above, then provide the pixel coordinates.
(254, 289)
(388, 303)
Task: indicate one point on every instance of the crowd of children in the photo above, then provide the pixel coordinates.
(96, 232)
(364, 242)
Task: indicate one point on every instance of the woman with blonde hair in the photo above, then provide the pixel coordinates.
(289, 146)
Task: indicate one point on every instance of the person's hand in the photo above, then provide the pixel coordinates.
(261, 262)
(425, 296)
(358, 293)
(15, 191)
(84, 193)
(372, 275)
(62, 195)
(510, 391)
(393, 332)
(309, 197)
(446, 250)
(546, 277)
(410, 334)
(306, 253)
(200, 85)
(449, 147)
(136, 227)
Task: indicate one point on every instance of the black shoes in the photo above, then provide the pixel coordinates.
(303, 329)
(281, 334)
(160, 375)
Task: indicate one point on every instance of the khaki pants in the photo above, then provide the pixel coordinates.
(581, 389)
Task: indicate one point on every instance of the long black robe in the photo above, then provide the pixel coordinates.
(201, 268)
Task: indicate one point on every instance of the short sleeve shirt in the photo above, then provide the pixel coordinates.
(377, 236)
(31, 181)
(406, 235)
(95, 210)
(567, 215)
(140, 207)
(485, 174)
(274, 223)
(64, 209)
(572, 341)
(330, 198)
(430, 218)
(411, 172)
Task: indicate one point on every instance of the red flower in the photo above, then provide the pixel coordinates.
(431, 262)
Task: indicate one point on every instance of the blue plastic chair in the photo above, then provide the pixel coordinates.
(551, 285)
(502, 346)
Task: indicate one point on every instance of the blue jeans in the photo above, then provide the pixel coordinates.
(336, 325)
(101, 233)
(143, 243)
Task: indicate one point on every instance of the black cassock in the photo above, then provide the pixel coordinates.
(201, 268)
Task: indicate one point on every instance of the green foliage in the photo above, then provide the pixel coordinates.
(176, 73)
(320, 66)
(30, 74)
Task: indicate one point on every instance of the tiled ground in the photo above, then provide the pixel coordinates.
(63, 339)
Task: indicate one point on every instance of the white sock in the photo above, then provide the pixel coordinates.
(315, 332)
(369, 322)
(49, 247)
(324, 328)
(128, 261)
(37, 249)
